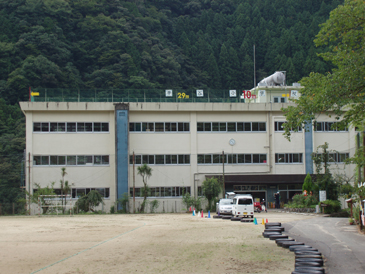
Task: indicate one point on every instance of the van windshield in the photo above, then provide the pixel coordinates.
(225, 202)
(245, 201)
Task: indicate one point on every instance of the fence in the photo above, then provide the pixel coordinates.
(12, 209)
(137, 95)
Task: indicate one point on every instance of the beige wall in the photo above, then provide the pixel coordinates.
(193, 143)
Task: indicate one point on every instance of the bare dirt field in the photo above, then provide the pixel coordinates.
(142, 243)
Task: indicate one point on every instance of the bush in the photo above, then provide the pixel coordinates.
(356, 213)
(154, 205)
(112, 209)
(301, 201)
(332, 206)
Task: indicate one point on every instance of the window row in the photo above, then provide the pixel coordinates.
(231, 158)
(175, 191)
(336, 157)
(170, 159)
(288, 158)
(71, 127)
(279, 126)
(79, 192)
(159, 127)
(231, 126)
(328, 126)
(70, 160)
(249, 188)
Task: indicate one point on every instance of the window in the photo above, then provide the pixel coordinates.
(232, 158)
(71, 127)
(288, 158)
(84, 160)
(56, 160)
(71, 160)
(231, 126)
(160, 159)
(279, 99)
(40, 127)
(79, 192)
(57, 127)
(159, 127)
(207, 126)
(183, 126)
(148, 127)
(336, 157)
(84, 127)
(329, 126)
(100, 127)
(174, 191)
(40, 160)
(279, 126)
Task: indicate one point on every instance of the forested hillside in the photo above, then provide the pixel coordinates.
(147, 44)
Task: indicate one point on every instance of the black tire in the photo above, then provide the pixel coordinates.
(279, 241)
(308, 260)
(268, 234)
(307, 253)
(227, 217)
(236, 218)
(304, 268)
(246, 220)
(272, 224)
(276, 227)
(272, 230)
(217, 216)
(274, 237)
(307, 272)
(302, 247)
(308, 256)
(290, 243)
(309, 264)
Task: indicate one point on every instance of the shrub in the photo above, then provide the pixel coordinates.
(154, 205)
(301, 201)
(332, 206)
(112, 209)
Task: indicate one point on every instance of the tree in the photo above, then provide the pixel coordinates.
(89, 201)
(65, 188)
(211, 189)
(41, 194)
(146, 172)
(342, 90)
(324, 181)
(307, 185)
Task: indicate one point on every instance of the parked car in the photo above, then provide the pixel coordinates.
(224, 207)
(243, 206)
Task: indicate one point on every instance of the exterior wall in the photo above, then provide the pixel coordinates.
(193, 143)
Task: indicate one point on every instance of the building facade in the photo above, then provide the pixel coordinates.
(183, 142)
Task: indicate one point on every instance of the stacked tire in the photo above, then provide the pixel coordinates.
(307, 258)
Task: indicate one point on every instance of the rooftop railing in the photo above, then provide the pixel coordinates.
(137, 95)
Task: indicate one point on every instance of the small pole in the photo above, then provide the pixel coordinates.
(29, 179)
(134, 188)
(224, 184)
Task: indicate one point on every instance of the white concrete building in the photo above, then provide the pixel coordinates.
(182, 141)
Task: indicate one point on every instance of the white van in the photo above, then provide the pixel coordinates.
(243, 206)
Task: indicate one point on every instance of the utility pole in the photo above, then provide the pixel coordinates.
(134, 189)
(224, 184)
(29, 181)
(254, 67)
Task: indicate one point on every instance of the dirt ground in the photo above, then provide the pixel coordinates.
(148, 243)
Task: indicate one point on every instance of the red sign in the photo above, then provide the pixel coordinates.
(247, 94)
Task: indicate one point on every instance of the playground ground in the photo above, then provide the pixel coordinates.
(141, 243)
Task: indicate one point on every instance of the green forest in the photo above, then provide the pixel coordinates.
(145, 44)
